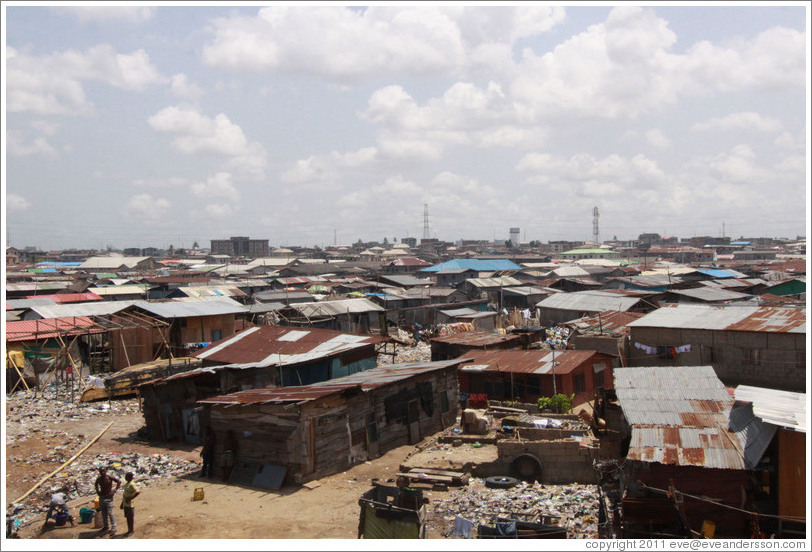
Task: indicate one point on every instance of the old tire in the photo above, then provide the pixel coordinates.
(527, 468)
(501, 482)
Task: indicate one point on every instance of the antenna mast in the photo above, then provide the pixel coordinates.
(426, 234)
(595, 232)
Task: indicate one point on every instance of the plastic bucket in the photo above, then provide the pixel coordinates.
(86, 515)
(198, 494)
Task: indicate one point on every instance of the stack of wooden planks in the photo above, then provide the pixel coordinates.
(435, 478)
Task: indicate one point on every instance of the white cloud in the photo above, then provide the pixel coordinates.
(147, 209)
(103, 14)
(197, 134)
(738, 165)
(18, 146)
(219, 185)
(342, 42)
(182, 87)
(219, 210)
(657, 138)
(16, 202)
(745, 120)
(53, 84)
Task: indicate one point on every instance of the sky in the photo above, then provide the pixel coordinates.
(304, 124)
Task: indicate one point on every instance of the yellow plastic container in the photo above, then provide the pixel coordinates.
(708, 529)
(198, 494)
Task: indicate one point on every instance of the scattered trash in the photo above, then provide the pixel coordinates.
(572, 506)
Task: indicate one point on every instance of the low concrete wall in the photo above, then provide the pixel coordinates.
(562, 461)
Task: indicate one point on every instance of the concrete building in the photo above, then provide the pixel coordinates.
(240, 246)
(746, 345)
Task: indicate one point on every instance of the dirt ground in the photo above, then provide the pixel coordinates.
(324, 509)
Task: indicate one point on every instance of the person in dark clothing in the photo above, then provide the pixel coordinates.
(207, 453)
(229, 454)
(105, 490)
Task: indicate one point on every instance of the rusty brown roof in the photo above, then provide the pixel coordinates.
(682, 415)
(360, 382)
(607, 322)
(281, 344)
(477, 339)
(530, 362)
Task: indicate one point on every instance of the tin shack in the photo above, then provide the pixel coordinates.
(311, 431)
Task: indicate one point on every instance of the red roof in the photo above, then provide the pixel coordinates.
(69, 297)
(477, 339)
(33, 330)
(532, 361)
(258, 343)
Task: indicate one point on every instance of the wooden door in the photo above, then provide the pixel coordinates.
(413, 413)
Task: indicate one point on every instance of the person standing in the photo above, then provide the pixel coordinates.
(106, 491)
(229, 454)
(129, 493)
(207, 453)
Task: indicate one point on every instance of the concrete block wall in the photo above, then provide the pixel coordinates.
(563, 461)
(780, 362)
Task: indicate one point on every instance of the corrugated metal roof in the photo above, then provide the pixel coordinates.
(279, 345)
(458, 312)
(17, 304)
(479, 265)
(588, 301)
(744, 318)
(526, 291)
(711, 294)
(527, 361)
(212, 291)
(363, 381)
(500, 281)
(780, 408)
(112, 262)
(570, 272)
(32, 330)
(127, 289)
(721, 273)
(683, 416)
(608, 322)
(185, 309)
(336, 308)
(61, 298)
(477, 339)
(100, 308)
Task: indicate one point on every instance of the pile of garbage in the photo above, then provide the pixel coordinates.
(572, 506)
(420, 352)
(77, 480)
(54, 405)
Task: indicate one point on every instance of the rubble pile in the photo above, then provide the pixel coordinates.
(52, 405)
(80, 476)
(575, 505)
(420, 352)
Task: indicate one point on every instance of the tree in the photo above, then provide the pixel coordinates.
(171, 250)
(509, 244)
(195, 246)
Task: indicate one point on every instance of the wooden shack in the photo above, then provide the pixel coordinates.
(258, 357)
(453, 346)
(321, 429)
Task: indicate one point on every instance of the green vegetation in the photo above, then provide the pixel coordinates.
(560, 403)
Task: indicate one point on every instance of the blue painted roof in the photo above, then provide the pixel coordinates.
(480, 265)
(740, 243)
(717, 273)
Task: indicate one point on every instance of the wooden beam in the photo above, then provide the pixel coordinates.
(60, 468)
